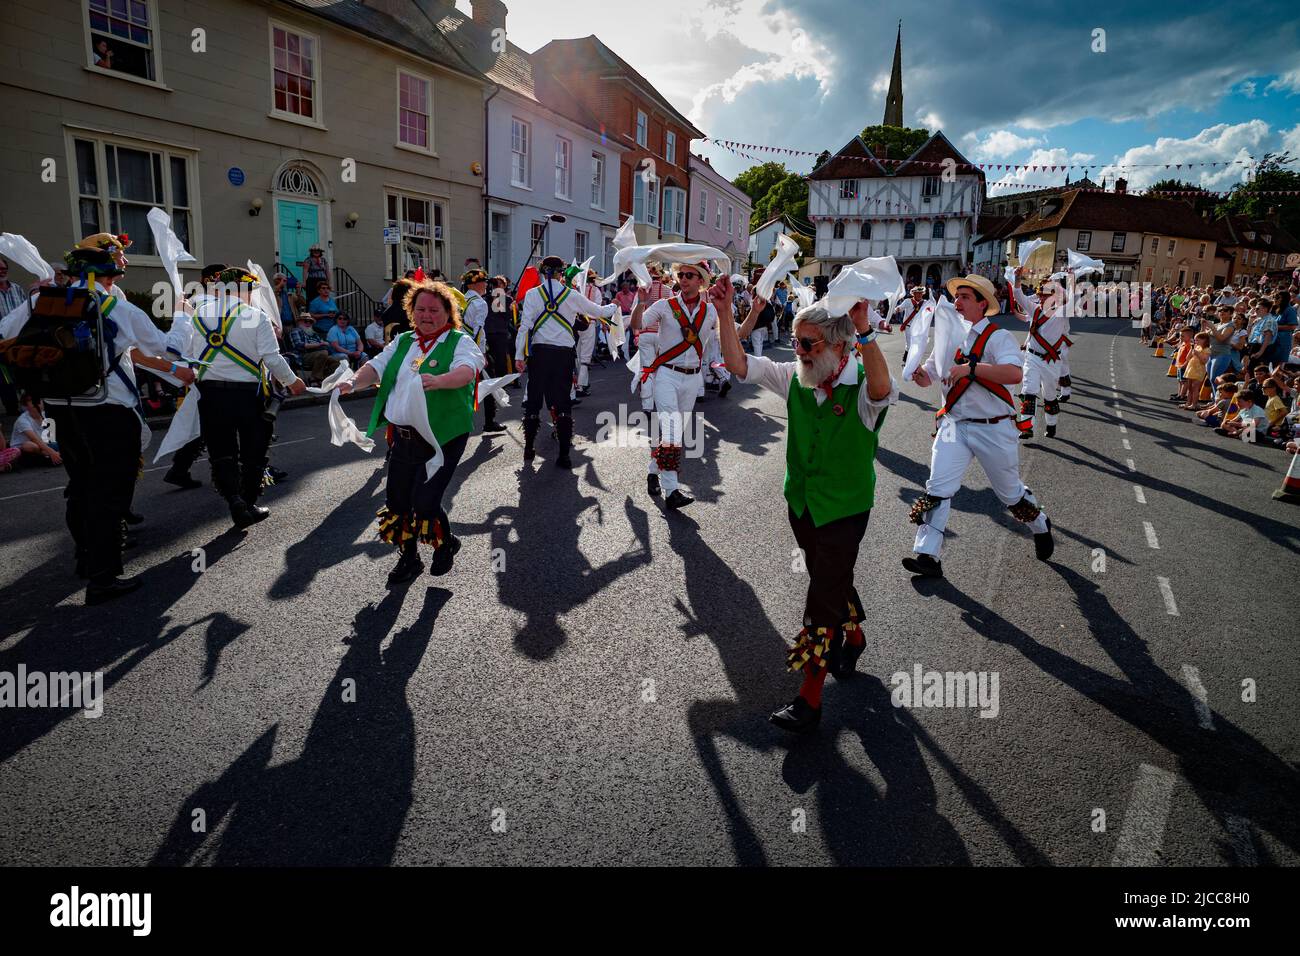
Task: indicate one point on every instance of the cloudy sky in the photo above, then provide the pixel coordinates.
(1007, 83)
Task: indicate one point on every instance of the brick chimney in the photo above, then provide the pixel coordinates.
(489, 14)
(1121, 185)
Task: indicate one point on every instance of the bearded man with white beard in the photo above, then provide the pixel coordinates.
(837, 392)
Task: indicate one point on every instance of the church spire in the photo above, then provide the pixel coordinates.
(894, 99)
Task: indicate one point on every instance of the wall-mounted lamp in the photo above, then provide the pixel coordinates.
(255, 207)
(476, 169)
(353, 218)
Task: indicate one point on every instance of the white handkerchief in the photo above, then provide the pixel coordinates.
(918, 333)
(184, 427)
(17, 249)
(634, 366)
(1081, 265)
(170, 249)
(1027, 249)
(950, 331)
(407, 407)
(496, 387)
(342, 428)
(780, 267)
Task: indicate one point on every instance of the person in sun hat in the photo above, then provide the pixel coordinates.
(1048, 318)
(977, 420)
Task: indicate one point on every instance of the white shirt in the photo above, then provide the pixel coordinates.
(660, 315)
(1052, 330)
(134, 330)
(476, 311)
(24, 425)
(552, 332)
(375, 334)
(977, 401)
(777, 376)
(467, 355)
(252, 335)
(909, 308)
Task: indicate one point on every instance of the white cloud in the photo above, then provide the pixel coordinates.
(1003, 143)
(1291, 140)
(1288, 83)
(1222, 143)
(1247, 88)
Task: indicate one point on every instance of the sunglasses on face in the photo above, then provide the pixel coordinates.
(806, 344)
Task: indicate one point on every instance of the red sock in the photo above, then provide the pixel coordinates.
(811, 688)
(854, 636)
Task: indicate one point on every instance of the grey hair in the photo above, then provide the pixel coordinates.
(834, 328)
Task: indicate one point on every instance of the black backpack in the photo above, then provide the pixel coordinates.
(59, 354)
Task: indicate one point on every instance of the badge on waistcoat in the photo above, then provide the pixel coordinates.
(838, 409)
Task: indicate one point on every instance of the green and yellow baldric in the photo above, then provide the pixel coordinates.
(550, 310)
(217, 342)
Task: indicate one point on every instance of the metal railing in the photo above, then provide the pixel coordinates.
(359, 305)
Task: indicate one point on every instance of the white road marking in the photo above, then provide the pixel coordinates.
(1143, 831)
(1119, 412)
(1137, 491)
(1171, 606)
(1150, 530)
(1132, 466)
(1192, 677)
(1127, 445)
(41, 491)
(1123, 429)
(1243, 843)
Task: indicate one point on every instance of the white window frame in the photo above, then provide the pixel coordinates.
(526, 153)
(865, 227)
(704, 206)
(167, 151)
(837, 229)
(1123, 241)
(675, 217)
(428, 80)
(318, 88)
(540, 252)
(580, 256)
(435, 242)
(848, 189)
(929, 186)
(649, 199)
(642, 128)
(1084, 242)
(717, 216)
(1155, 245)
(670, 146)
(1201, 253)
(912, 226)
(938, 229)
(155, 48)
(731, 219)
(598, 166)
(564, 169)
(1169, 251)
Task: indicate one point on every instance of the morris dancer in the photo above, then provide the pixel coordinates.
(835, 406)
(908, 309)
(979, 424)
(553, 316)
(1047, 317)
(685, 322)
(446, 362)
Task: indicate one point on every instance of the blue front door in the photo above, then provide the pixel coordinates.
(299, 231)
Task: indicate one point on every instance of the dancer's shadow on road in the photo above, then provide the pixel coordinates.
(1231, 772)
(860, 824)
(344, 800)
(77, 638)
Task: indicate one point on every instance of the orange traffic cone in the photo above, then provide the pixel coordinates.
(1173, 369)
(1160, 350)
(1290, 490)
(1207, 393)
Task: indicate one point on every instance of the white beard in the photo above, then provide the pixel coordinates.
(814, 373)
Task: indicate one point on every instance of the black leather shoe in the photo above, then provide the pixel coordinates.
(1025, 436)
(408, 568)
(798, 716)
(1051, 431)
(678, 500)
(244, 515)
(726, 387)
(845, 664)
(277, 474)
(493, 427)
(443, 557)
(133, 518)
(97, 592)
(924, 565)
(1045, 544)
(181, 479)
(652, 485)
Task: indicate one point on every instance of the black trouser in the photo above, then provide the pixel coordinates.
(498, 364)
(100, 446)
(408, 491)
(187, 455)
(830, 553)
(237, 436)
(550, 377)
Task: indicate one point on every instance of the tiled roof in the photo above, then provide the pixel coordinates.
(997, 227)
(1120, 212)
(856, 161)
(1235, 228)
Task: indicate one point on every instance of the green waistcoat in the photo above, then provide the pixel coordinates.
(830, 459)
(451, 410)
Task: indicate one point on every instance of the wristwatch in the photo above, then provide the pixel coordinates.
(972, 362)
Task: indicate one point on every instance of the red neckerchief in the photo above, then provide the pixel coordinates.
(828, 386)
(426, 344)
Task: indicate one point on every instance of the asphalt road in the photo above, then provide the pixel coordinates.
(591, 682)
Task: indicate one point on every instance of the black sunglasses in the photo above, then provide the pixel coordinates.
(808, 344)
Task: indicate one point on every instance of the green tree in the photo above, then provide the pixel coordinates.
(1200, 200)
(788, 197)
(757, 180)
(901, 141)
(1271, 175)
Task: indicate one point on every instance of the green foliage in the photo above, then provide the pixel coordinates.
(1202, 201)
(757, 180)
(902, 141)
(1271, 175)
(774, 191)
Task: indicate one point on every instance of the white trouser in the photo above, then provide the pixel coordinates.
(756, 340)
(674, 401)
(997, 446)
(586, 347)
(1064, 371)
(1040, 380)
(712, 356)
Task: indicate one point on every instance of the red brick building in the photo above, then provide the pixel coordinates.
(637, 116)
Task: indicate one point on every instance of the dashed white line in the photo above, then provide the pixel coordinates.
(1127, 445)
(1192, 677)
(1143, 831)
(1141, 498)
(1123, 429)
(1132, 466)
(1150, 530)
(1171, 606)
(1119, 412)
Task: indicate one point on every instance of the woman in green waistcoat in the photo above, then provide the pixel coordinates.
(836, 392)
(447, 363)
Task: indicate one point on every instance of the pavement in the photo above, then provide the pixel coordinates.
(590, 684)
